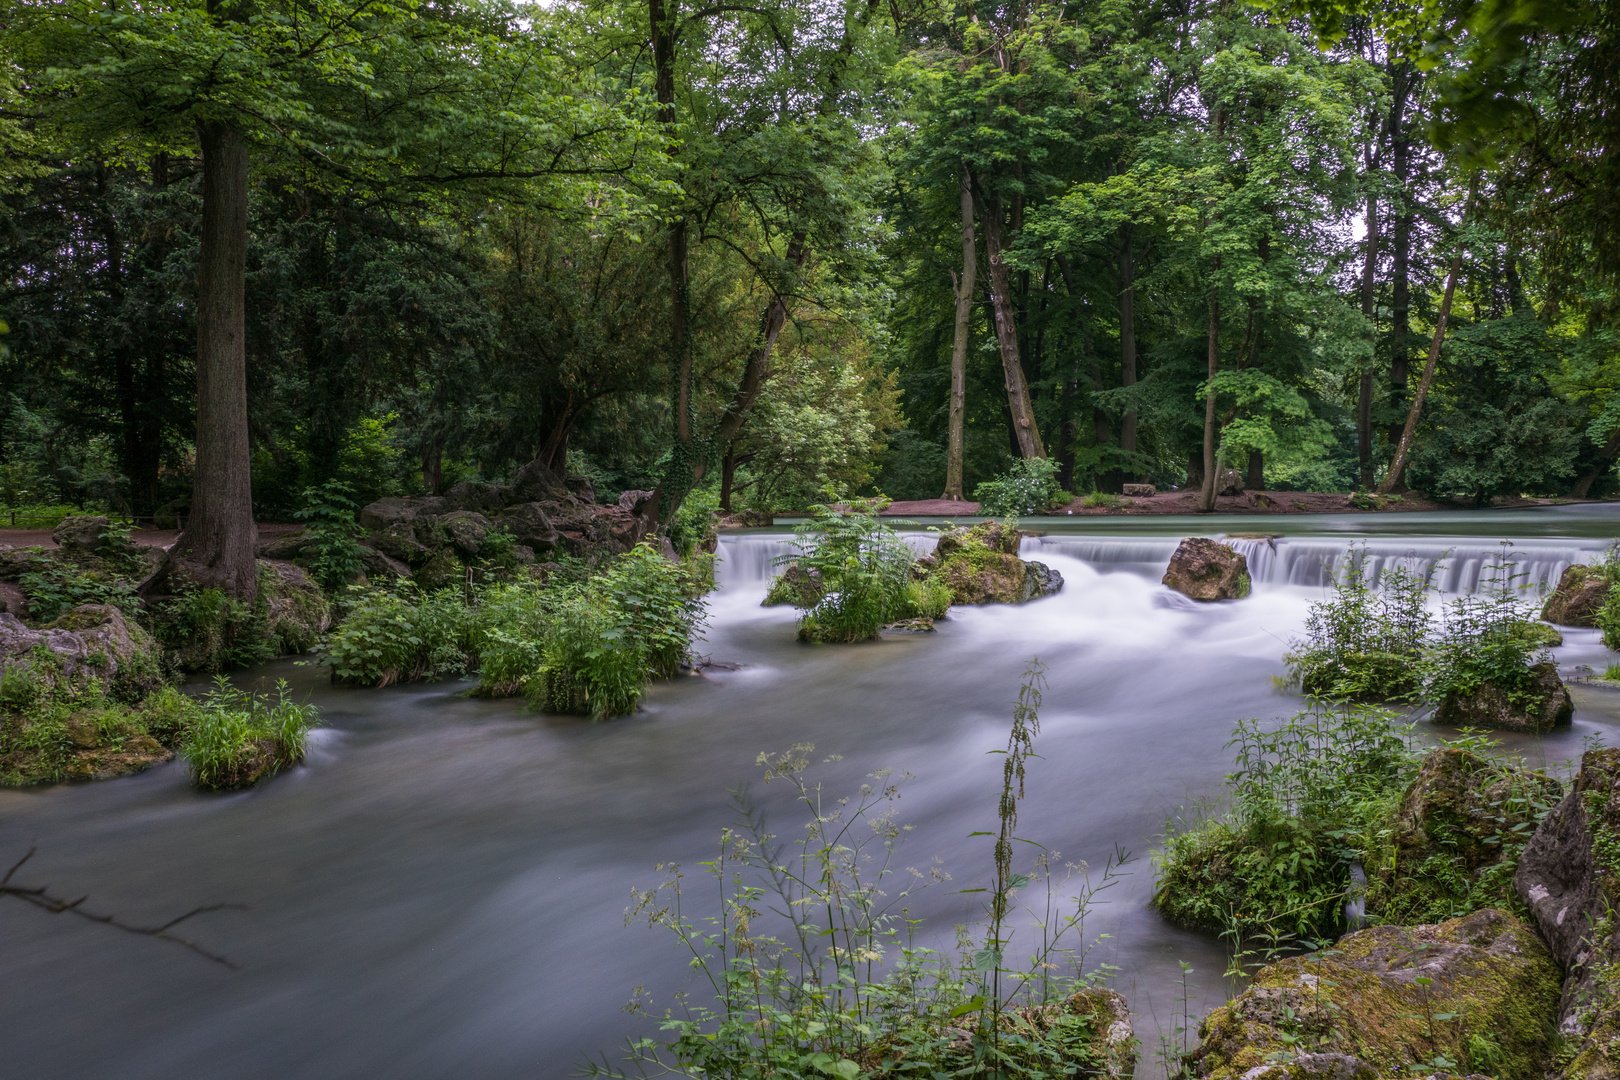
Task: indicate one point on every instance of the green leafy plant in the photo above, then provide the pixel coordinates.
(1481, 640)
(401, 636)
(240, 738)
(55, 585)
(864, 570)
(211, 631)
(329, 511)
(1026, 488)
(1102, 500)
(1364, 644)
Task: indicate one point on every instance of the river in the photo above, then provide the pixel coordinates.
(439, 891)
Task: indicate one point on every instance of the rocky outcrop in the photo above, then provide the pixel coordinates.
(980, 565)
(1139, 491)
(541, 510)
(1229, 482)
(1569, 878)
(1581, 592)
(295, 609)
(1207, 570)
(1393, 1001)
(1452, 845)
(92, 641)
(1545, 704)
(17, 561)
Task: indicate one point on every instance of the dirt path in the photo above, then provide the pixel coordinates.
(144, 537)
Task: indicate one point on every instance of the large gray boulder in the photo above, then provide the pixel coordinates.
(89, 641)
(1208, 570)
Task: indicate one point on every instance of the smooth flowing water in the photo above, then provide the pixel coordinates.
(439, 891)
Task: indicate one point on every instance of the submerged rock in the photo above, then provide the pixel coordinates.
(1207, 570)
(1546, 705)
(980, 565)
(1390, 1002)
(1452, 843)
(1580, 593)
(1569, 878)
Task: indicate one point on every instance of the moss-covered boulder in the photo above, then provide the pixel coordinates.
(1538, 707)
(88, 642)
(1455, 838)
(1569, 878)
(794, 585)
(980, 565)
(1471, 995)
(56, 731)
(1580, 593)
(1365, 676)
(295, 612)
(1208, 570)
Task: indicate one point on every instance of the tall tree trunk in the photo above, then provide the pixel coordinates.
(1127, 333)
(964, 286)
(728, 473)
(1364, 444)
(1206, 496)
(216, 548)
(1025, 430)
(432, 468)
(1401, 252)
(1256, 480)
(1403, 448)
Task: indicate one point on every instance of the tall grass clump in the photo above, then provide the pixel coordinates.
(1364, 644)
(863, 569)
(241, 737)
(813, 964)
(1306, 798)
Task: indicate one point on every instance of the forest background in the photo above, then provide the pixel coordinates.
(768, 250)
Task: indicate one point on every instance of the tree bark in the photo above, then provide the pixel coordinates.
(1025, 431)
(963, 287)
(1401, 251)
(1405, 445)
(1364, 446)
(1605, 462)
(432, 468)
(216, 548)
(1206, 495)
(1256, 480)
(1127, 333)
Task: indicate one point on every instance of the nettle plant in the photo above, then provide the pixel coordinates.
(1365, 644)
(1486, 637)
(329, 510)
(864, 570)
(813, 961)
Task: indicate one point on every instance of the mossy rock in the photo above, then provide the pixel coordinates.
(1357, 1011)
(794, 585)
(1569, 878)
(1207, 570)
(67, 733)
(980, 565)
(1541, 705)
(1581, 592)
(1538, 635)
(439, 571)
(1456, 837)
(292, 608)
(1368, 676)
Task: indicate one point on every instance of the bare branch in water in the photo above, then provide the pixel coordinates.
(42, 898)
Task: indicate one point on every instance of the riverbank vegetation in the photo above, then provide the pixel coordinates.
(841, 987)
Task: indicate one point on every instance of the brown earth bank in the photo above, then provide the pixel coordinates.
(145, 537)
(1250, 502)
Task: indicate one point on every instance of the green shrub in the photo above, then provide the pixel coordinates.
(591, 665)
(1307, 797)
(402, 636)
(864, 570)
(329, 510)
(54, 585)
(929, 598)
(1060, 499)
(508, 635)
(1482, 638)
(1026, 488)
(657, 604)
(240, 738)
(1364, 645)
(694, 524)
(1607, 617)
(1102, 500)
(210, 631)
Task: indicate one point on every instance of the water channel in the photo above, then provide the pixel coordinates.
(439, 891)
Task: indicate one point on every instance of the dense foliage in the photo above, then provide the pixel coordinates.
(862, 574)
(239, 737)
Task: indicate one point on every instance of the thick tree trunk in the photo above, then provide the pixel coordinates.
(1401, 251)
(216, 548)
(1256, 480)
(1195, 469)
(1206, 495)
(964, 286)
(1127, 333)
(1025, 431)
(432, 469)
(728, 473)
(1364, 445)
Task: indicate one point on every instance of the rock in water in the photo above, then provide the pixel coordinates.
(1549, 706)
(1581, 592)
(1205, 569)
(795, 585)
(1358, 1011)
(1569, 878)
(981, 566)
